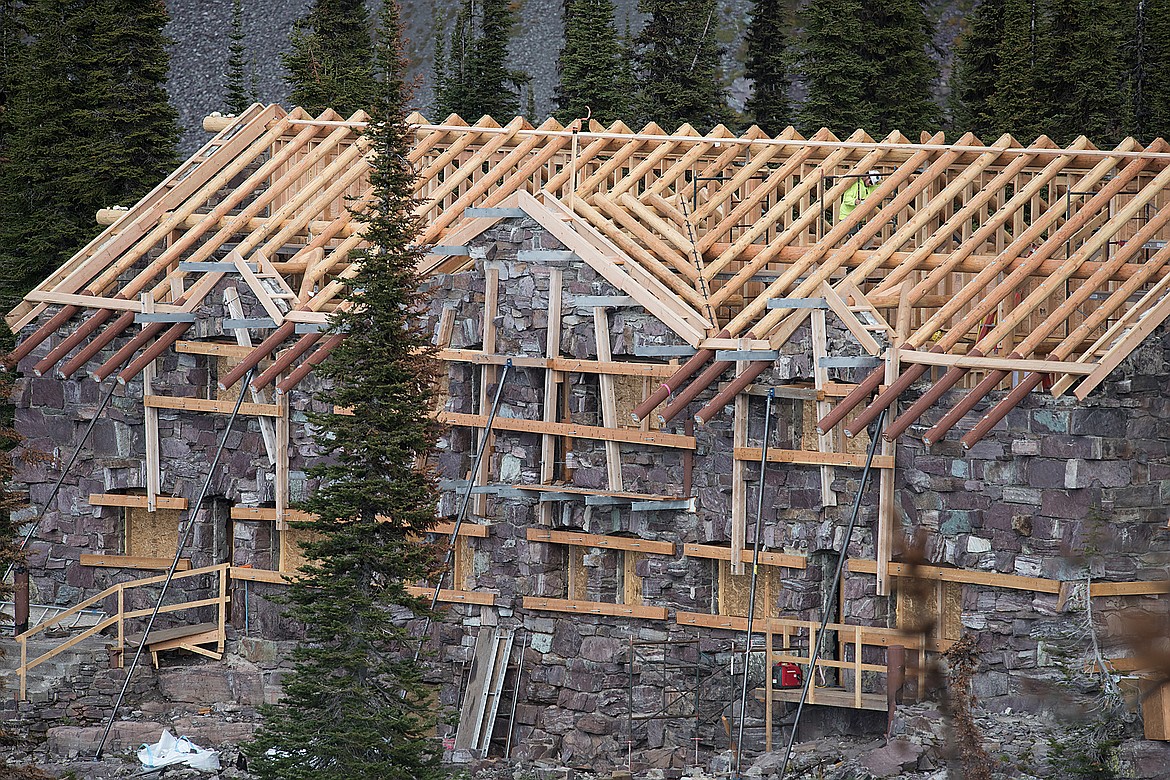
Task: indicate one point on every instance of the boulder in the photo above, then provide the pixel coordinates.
(893, 759)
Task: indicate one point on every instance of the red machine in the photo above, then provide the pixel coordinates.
(786, 675)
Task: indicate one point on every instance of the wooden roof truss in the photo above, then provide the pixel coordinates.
(1005, 264)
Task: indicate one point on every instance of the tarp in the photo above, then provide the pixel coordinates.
(177, 750)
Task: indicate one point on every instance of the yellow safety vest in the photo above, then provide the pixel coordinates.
(854, 195)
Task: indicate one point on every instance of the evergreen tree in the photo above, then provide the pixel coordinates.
(89, 127)
(677, 58)
(355, 705)
(867, 65)
(767, 66)
(238, 98)
(330, 64)
(595, 76)
(1148, 95)
(898, 38)
(475, 79)
(835, 68)
(1081, 71)
(1014, 105)
(976, 70)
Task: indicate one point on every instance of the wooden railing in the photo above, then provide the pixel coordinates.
(120, 617)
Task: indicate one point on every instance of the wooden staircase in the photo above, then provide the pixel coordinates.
(193, 638)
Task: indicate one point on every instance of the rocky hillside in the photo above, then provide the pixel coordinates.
(199, 31)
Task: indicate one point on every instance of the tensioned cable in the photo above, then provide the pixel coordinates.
(747, 650)
(64, 473)
(831, 596)
(183, 537)
(463, 507)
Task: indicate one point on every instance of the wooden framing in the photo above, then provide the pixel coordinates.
(136, 501)
(599, 433)
(637, 611)
(581, 539)
(767, 557)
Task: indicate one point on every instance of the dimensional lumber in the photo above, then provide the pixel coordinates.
(136, 502)
(595, 608)
(595, 540)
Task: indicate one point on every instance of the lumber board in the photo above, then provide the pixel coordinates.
(767, 557)
(994, 363)
(813, 458)
(216, 348)
(259, 575)
(132, 562)
(269, 513)
(454, 596)
(579, 491)
(573, 430)
(210, 405)
(988, 578)
(637, 611)
(582, 539)
(568, 365)
(136, 501)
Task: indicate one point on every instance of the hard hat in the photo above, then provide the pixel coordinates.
(874, 174)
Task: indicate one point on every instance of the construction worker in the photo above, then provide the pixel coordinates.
(857, 193)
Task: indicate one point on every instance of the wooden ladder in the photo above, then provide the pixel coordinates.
(485, 688)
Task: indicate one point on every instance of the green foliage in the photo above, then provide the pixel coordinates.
(472, 77)
(88, 126)
(594, 67)
(237, 98)
(767, 66)
(355, 705)
(866, 65)
(1080, 71)
(976, 70)
(330, 64)
(1148, 93)
(1014, 104)
(677, 58)
(1083, 754)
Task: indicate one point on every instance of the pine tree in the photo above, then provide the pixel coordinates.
(89, 127)
(475, 79)
(867, 65)
(834, 67)
(897, 37)
(355, 705)
(767, 66)
(677, 58)
(331, 60)
(1080, 73)
(1149, 68)
(976, 70)
(1014, 106)
(595, 77)
(237, 98)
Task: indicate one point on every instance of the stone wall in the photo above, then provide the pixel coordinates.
(1059, 490)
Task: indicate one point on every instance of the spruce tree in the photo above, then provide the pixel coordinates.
(1080, 72)
(1148, 101)
(475, 79)
(835, 69)
(767, 66)
(867, 65)
(897, 35)
(330, 63)
(1014, 106)
(89, 127)
(594, 71)
(355, 705)
(976, 71)
(677, 56)
(237, 98)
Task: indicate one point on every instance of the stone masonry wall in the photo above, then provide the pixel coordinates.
(1059, 490)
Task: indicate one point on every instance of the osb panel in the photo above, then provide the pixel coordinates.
(629, 391)
(735, 591)
(461, 568)
(805, 430)
(292, 557)
(952, 601)
(631, 582)
(578, 576)
(224, 364)
(920, 603)
(152, 534)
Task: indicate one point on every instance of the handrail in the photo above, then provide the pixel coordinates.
(119, 618)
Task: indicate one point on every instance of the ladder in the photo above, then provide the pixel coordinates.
(485, 688)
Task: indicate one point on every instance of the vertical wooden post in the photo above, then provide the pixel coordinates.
(812, 671)
(487, 377)
(121, 627)
(768, 685)
(222, 606)
(23, 668)
(857, 667)
(826, 442)
(281, 487)
(738, 481)
(231, 298)
(613, 453)
(552, 349)
(886, 511)
(150, 424)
